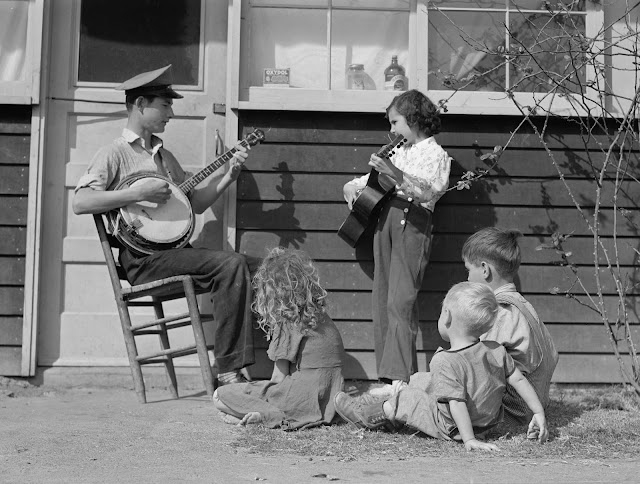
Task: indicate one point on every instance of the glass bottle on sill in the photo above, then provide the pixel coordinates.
(355, 77)
(394, 76)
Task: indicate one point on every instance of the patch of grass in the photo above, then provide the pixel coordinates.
(584, 422)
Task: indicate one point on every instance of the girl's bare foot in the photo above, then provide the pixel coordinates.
(251, 418)
(229, 419)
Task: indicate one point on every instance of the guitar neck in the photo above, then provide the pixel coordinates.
(386, 150)
(199, 177)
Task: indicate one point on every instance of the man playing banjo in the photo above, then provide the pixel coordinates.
(149, 99)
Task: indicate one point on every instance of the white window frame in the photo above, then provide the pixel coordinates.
(27, 90)
(462, 102)
(492, 102)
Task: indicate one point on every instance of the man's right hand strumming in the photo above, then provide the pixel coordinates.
(154, 191)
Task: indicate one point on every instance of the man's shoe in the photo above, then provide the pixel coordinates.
(370, 416)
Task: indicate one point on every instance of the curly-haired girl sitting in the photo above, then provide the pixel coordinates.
(304, 344)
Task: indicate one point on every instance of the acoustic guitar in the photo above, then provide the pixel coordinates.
(147, 227)
(366, 208)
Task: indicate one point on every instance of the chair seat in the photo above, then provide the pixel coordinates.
(167, 289)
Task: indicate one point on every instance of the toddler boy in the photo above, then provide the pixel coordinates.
(462, 395)
(492, 257)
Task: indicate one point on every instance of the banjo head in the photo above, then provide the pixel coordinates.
(160, 223)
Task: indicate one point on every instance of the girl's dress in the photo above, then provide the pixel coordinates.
(305, 397)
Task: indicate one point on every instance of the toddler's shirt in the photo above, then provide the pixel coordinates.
(476, 375)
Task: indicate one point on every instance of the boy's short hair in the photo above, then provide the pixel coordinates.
(130, 100)
(496, 246)
(474, 304)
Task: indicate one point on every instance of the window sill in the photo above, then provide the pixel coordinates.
(15, 99)
(376, 101)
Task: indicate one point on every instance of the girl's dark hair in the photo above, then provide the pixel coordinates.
(418, 110)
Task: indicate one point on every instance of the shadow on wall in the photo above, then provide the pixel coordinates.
(286, 226)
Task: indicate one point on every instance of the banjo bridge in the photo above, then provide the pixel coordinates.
(134, 226)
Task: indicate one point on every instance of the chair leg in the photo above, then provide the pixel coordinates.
(198, 333)
(164, 343)
(132, 352)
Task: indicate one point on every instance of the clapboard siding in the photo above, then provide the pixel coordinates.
(355, 305)
(15, 131)
(290, 194)
(444, 249)
(466, 219)
(358, 335)
(493, 191)
(514, 162)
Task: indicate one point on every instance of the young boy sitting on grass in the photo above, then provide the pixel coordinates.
(461, 397)
(492, 257)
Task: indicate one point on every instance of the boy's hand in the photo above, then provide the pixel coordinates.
(475, 444)
(538, 428)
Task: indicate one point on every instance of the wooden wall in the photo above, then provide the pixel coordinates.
(15, 128)
(290, 194)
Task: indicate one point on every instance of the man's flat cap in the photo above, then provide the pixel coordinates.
(153, 83)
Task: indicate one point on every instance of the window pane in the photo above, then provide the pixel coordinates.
(547, 52)
(14, 16)
(288, 38)
(369, 38)
(459, 46)
(122, 38)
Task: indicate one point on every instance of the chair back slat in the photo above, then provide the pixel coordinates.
(116, 272)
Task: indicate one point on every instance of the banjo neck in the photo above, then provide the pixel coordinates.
(199, 177)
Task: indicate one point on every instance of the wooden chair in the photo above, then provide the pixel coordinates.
(156, 292)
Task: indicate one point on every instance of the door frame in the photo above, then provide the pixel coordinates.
(39, 32)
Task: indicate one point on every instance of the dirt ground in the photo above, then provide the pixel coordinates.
(86, 435)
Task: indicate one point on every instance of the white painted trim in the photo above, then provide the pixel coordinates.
(36, 27)
(231, 115)
(422, 46)
(233, 53)
(412, 71)
(34, 207)
(13, 98)
(32, 258)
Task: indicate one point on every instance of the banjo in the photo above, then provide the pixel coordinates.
(147, 227)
